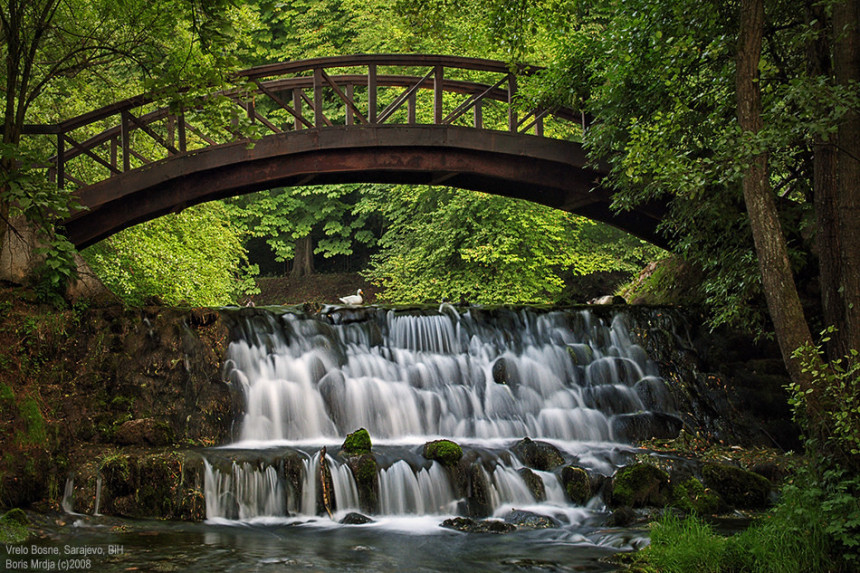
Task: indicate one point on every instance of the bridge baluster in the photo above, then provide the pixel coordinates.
(512, 112)
(371, 93)
(126, 143)
(318, 99)
(438, 92)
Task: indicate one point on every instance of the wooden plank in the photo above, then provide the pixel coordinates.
(371, 93)
(463, 107)
(89, 153)
(512, 112)
(294, 111)
(350, 105)
(61, 161)
(398, 101)
(126, 142)
(438, 92)
(318, 99)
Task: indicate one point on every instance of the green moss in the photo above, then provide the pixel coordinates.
(13, 527)
(443, 451)
(738, 487)
(366, 471)
(36, 433)
(357, 442)
(639, 485)
(577, 485)
(693, 497)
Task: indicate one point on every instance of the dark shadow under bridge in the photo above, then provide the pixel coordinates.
(417, 119)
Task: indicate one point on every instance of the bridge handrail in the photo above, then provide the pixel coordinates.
(267, 80)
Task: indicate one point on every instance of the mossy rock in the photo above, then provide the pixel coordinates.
(538, 455)
(13, 527)
(446, 452)
(640, 485)
(692, 496)
(534, 483)
(577, 484)
(357, 443)
(365, 470)
(738, 487)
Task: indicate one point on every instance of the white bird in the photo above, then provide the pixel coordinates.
(353, 298)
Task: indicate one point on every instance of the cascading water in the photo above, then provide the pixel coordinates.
(485, 379)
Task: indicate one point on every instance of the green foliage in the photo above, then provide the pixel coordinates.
(36, 431)
(835, 386)
(357, 442)
(194, 257)
(327, 213)
(442, 243)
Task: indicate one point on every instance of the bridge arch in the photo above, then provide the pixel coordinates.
(471, 137)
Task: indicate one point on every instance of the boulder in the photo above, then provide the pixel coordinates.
(640, 485)
(530, 520)
(538, 455)
(692, 496)
(353, 518)
(446, 452)
(357, 443)
(468, 525)
(577, 484)
(738, 487)
(534, 483)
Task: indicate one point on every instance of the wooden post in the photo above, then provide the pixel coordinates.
(126, 143)
(297, 105)
(183, 146)
(410, 105)
(61, 160)
(512, 112)
(371, 93)
(318, 99)
(438, 92)
(539, 125)
(349, 94)
(478, 110)
(113, 153)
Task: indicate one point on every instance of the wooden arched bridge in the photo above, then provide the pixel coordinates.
(368, 118)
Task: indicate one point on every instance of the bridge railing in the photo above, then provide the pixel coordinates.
(292, 96)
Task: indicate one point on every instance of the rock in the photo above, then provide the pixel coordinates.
(692, 496)
(622, 517)
(446, 452)
(738, 487)
(608, 299)
(365, 471)
(505, 372)
(357, 442)
(640, 485)
(478, 492)
(534, 483)
(143, 432)
(530, 520)
(467, 525)
(538, 455)
(353, 518)
(646, 425)
(576, 484)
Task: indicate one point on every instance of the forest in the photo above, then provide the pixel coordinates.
(742, 116)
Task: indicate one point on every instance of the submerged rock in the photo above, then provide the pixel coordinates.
(530, 520)
(468, 525)
(538, 455)
(354, 518)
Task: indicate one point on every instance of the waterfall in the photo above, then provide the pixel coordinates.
(483, 378)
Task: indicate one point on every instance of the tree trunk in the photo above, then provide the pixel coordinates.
(846, 64)
(303, 262)
(827, 241)
(780, 290)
